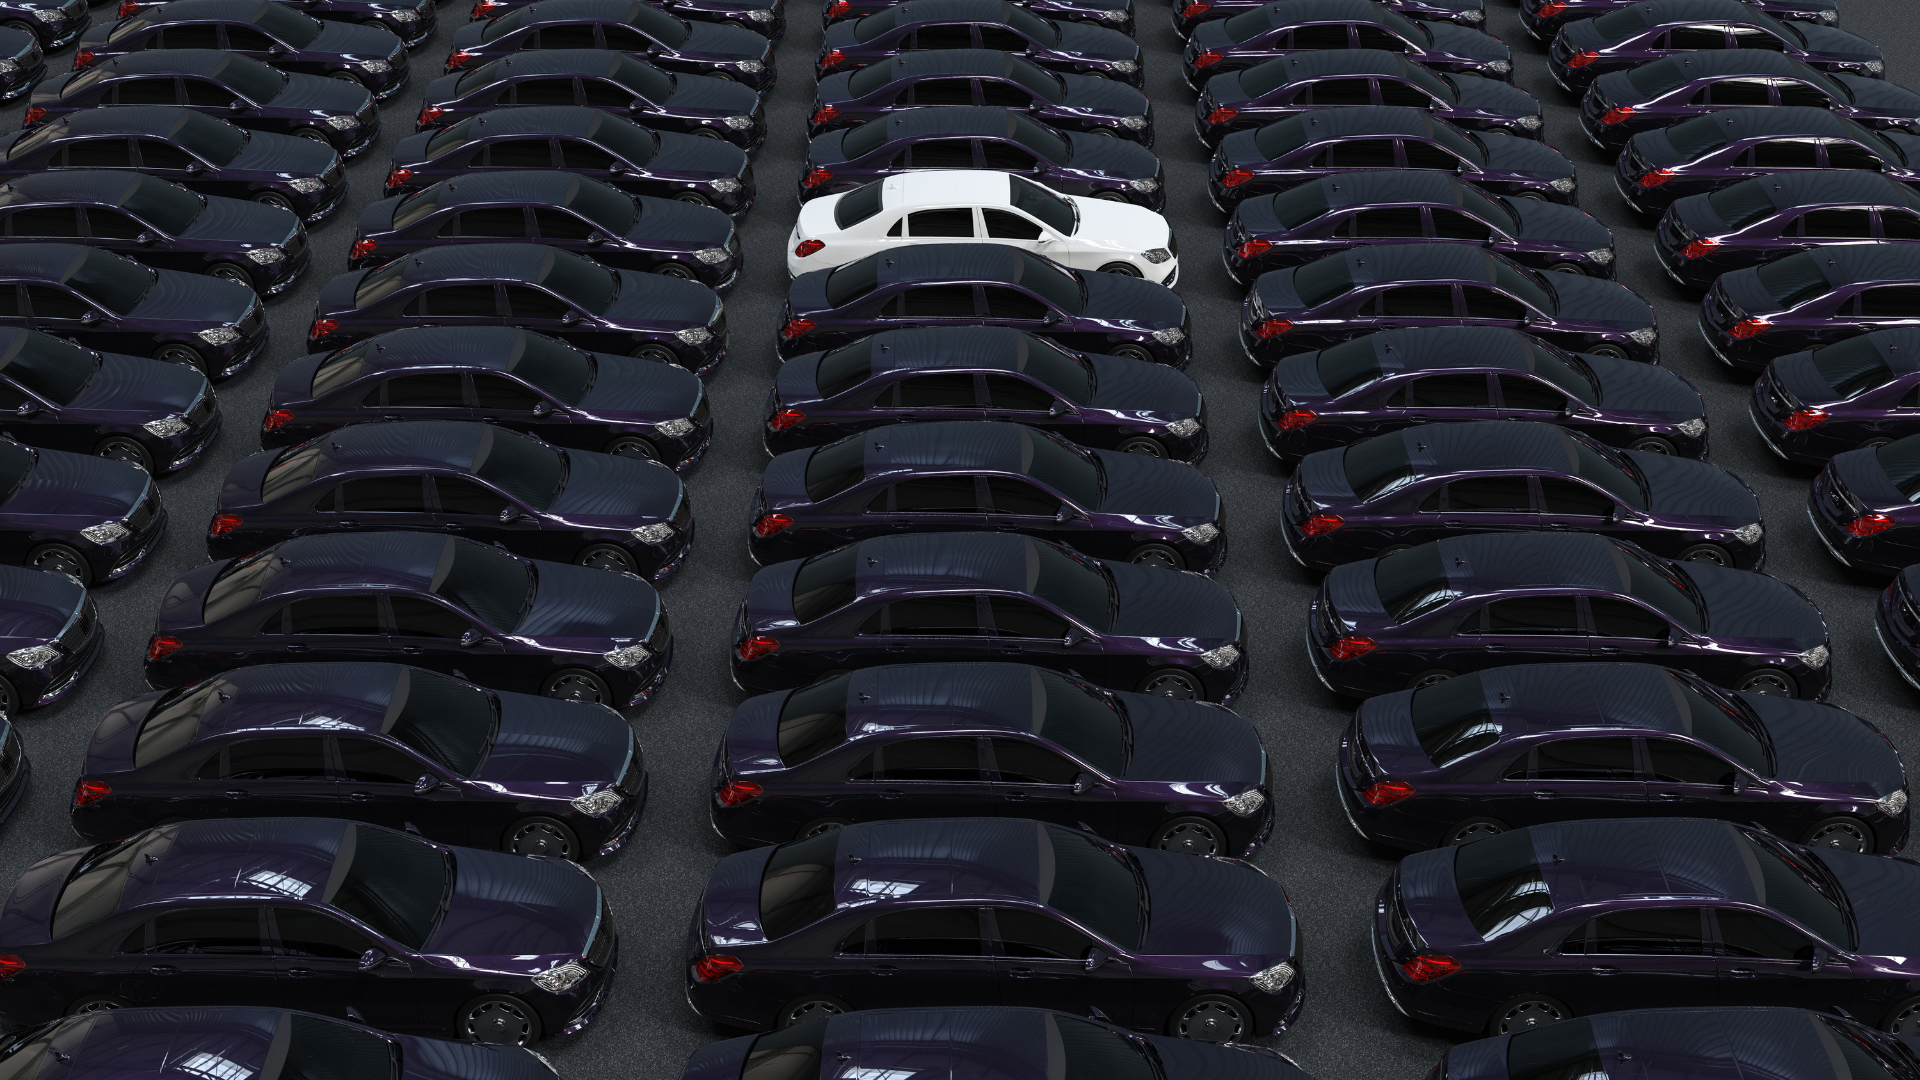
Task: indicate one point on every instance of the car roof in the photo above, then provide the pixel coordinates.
(999, 347)
(149, 120)
(950, 120)
(1295, 11)
(577, 120)
(319, 697)
(1371, 265)
(1533, 698)
(556, 10)
(254, 859)
(172, 1042)
(48, 262)
(942, 697)
(1397, 351)
(167, 62)
(560, 61)
(76, 185)
(1007, 1042)
(458, 348)
(1899, 349)
(966, 262)
(1485, 445)
(1782, 121)
(1666, 11)
(1847, 263)
(1752, 1042)
(998, 561)
(1815, 186)
(1351, 120)
(545, 186)
(409, 444)
(946, 858)
(919, 11)
(1492, 561)
(1313, 63)
(966, 186)
(971, 445)
(367, 560)
(196, 10)
(1587, 862)
(1389, 186)
(949, 62)
(488, 262)
(1716, 62)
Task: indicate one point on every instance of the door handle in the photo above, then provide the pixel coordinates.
(1543, 794)
(1741, 973)
(1494, 647)
(360, 796)
(897, 646)
(1554, 524)
(299, 973)
(1018, 795)
(347, 524)
(295, 647)
(1453, 524)
(1669, 794)
(412, 650)
(1606, 971)
(1609, 648)
(886, 969)
(236, 794)
(163, 969)
(1020, 973)
(891, 793)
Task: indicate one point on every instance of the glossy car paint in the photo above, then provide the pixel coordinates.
(1071, 48)
(1809, 300)
(412, 21)
(1586, 49)
(1860, 507)
(1190, 14)
(764, 17)
(46, 610)
(1809, 406)
(57, 503)
(50, 24)
(30, 66)
(1543, 18)
(1765, 218)
(1289, 26)
(1113, 14)
(982, 77)
(1711, 152)
(372, 56)
(640, 30)
(57, 395)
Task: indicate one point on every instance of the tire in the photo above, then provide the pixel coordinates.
(497, 1019)
(184, 355)
(1568, 268)
(1903, 1019)
(1874, 444)
(1841, 833)
(820, 825)
(811, 1007)
(721, 75)
(1172, 682)
(1524, 1013)
(707, 133)
(1131, 352)
(1430, 677)
(1467, 830)
(87, 1003)
(10, 702)
(1652, 444)
(1533, 195)
(61, 559)
(1161, 555)
(693, 197)
(655, 352)
(273, 199)
(673, 269)
(1104, 131)
(313, 135)
(1608, 349)
(1210, 1017)
(1123, 269)
(632, 446)
(227, 271)
(1142, 445)
(122, 448)
(347, 77)
(1190, 836)
(1710, 554)
(1769, 683)
(1110, 196)
(541, 836)
(606, 557)
(577, 684)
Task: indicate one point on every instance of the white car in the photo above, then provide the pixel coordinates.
(948, 206)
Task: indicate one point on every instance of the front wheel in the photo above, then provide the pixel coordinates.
(1525, 1013)
(693, 197)
(1162, 556)
(184, 355)
(121, 448)
(1123, 269)
(1533, 195)
(1903, 1019)
(1769, 683)
(674, 269)
(809, 1008)
(1841, 833)
(1172, 682)
(576, 684)
(541, 836)
(1131, 351)
(314, 135)
(605, 557)
(1142, 445)
(655, 352)
(61, 558)
(1652, 444)
(501, 1019)
(273, 199)
(93, 1003)
(1212, 1017)
(1429, 678)
(1190, 836)
(707, 133)
(1568, 268)
(1711, 554)
(1110, 196)
(227, 271)
(1608, 349)
(632, 446)
(1474, 828)
(347, 77)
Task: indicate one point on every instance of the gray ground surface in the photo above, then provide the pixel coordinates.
(1348, 1029)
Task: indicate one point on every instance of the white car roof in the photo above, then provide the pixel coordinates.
(971, 187)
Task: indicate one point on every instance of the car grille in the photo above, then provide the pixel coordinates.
(629, 782)
(334, 172)
(30, 59)
(203, 409)
(1840, 498)
(11, 755)
(295, 246)
(148, 509)
(682, 519)
(253, 321)
(78, 629)
(602, 943)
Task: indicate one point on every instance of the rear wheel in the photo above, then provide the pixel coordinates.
(605, 557)
(1608, 349)
(1190, 836)
(632, 446)
(1140, 444)
(801, 1010)
(820, 825)
(1429, 678)
(1903, 1019)
(1467, 830)
(1652, 444)
(1841, 833)
(121, 448)
(1212, 1017)
(497, 1019)
(1131, 351)
(1173, 682)
(61, 558)
(674, 269)
(1525, 1013)
(1160, 555)
(273, 199)
(1711, 554)
(1769, 683)
(184, 355)
(227, 271)
(577, 684)
(92, 1003)
(540, 836)
(1123, 269)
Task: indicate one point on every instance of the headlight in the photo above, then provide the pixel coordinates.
(1201, 534)
(1182, 429)
(627, 657)
(1114, 16)
(1222, 657)
(739, 123)
(1133, 123)
(1562, 185)
(1472, 16)
(105, 533)
(307, 185)
(1156, 256)
(8, 67)
(693, 335)
(1815, 658)
(1874, 67)
(560, 979)
(1603, 256)
(375, 67)
(1246, 802)
(760, 15)
(726, 185)
(343, 123)
(1126, 67)
(404, 16)
(751, 67)
(713, 256)
(1530, 123)
(219, 335)
(1145, 183)
(1694, 428)
(1500, 67)
(1274, 979)
(1750, 534)
(167, 426)
(1830, 16)
(673, 429)
(39, 656)
(598, 803)
(266, 256)
(657, 533)
(49, 15)
(1172, 335)
(1646, 335)
(1890, 806)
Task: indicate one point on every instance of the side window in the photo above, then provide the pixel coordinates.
(601, 94)
(1678, 763)
(560, 225)
(1749, 933)
(935, 616)
(937, 391)
(1373, 37)
(1009, 303)
(1490, 494)
(928, 932)
(1344, 92)
(368, 762)
(568, 37)
(1560, 496)
(239, 39)
(1746, 37)
(538, 154)
(943, 154)
(944, 92)
(1017, 395)
(1891, 302)
(455, 301)
(1900, 224)
(936, 494)
(545, 91)
(497, 392)
(953, 37)
(1521, 392)
(933, 759)
(1618, 618)
(1584, 759)
(998, 37)
(334, 615)
(1020, 497)
(204, 94)
(1005, 95)
(1399, 93)
(414, 617)
(1031, 934)
(1786, 154)
(1445, 392)
(1022, 762)
(1421, 155)
(47, 302)
(1697, 37)
(1649, 932)
(1738, 92)
(425, 392)
(527, 302)
(1454, 225)
(1846, 155)
(466, 497)
(201, 36)
(1421, 302)
(1359, 154)
(938, 302)
(1794, 93)
(1023, 619)
(624, 39)
(154, 154)
(316, 934)
(1323, 36)
(383, 494)
(1484, 303)
(1533, 615)
(151, 92)
(1007, 225)
(303, 758)
(1388, 221)
(112, 225)
(510, 221)
(231, 931)
(952, 221)
(1000, 155)
(59, 221)
(1837, 224)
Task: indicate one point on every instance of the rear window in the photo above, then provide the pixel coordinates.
(833, 469)
(1852, 367)
(1348, 366)
(1056, 285)
(856, 279)
(1800, 890)
(340, 369)
(1092, 884)
(870, 78)
(1452, 721)
(1297, 206)
(858, 205)
(874, 25)
(236, 587)
(1264, 78)
(1378, 465)
(1245, 25)
(1719, 727)
(173, 722)
(863, 140)
(1318, 282)
(1500, 883)
(294, 468)
(1411, 582)
(1081, 720)
(1794, 280)
(1742, 204)
(1901, 462)
(94, 889)
(1077, 588)
(1278, 140)
(1563, 1051)
(322, 1050)
(796, 889)
(789, 1054)
(824, 583)
(394, 883)
(445, 721)
(1657, 77)
(1091, 1052)
(1696, 138)
(844, 368)
(813, 720)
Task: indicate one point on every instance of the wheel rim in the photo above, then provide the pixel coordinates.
(633, 448)
(61, 561)
(233, 274)
(1710, 555)
(1874, 444)
(820, 828)
(807, 1010)
(180, 354)
(1903, 1021)
(1122, 269)
(1110, 196)
(273, 199)
(691, 197)
(1172, 684)
(344, 77)
(607, 557)
(312, 136)
(1567, 268)
(125, 450)
(1132, 352)
(655, 352)
(1143, 447)
(1479, 830)
(1611, 351)
(673, 269)
(1214, 1021)
(498, 1022)
(575, 688)
(540, 838)
(1190, 837)
(1767, 684)
(97, 1006)
(1527, 1015)
(1652, 446)
(1431, 679)
(1843, 835)
(1155, 555)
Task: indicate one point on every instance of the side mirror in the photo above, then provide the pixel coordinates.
(425, 784)
(275, 49)
(27, 408)
(1059, 408)
(1082, 784)
(146, 238)
(1064, 514)
(1818, 960)
(469, 639)
(1740, 782)
(542, 408)
(569, 317)
(1097, 958)
(193, 168)
(598, 238)
(1072, 637)
(237, 106)
(371, 959)
(89, 317)
(511, 513)
(617, 167)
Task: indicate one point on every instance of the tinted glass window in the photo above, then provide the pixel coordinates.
(456, 301)
(933, 759)
(796, 889)
(1418, 301)
(1019, 497)
(1562, 1051)
(1749, 933)
(394, 884)
(1520, 392)
(1885, 302)
(862, 202)
(1500, 884)
(490, 583)
(1654, 585)
(368, 762)
(1618, 618)
(1057, 212)
(1379, 465)
(1446, 392)
(1490, 493)
(301, 758)
(1485, 303)
(1343, 92)
(943, 154)
(1802, 891)
(1852, 367)
(790, 1054)
(417, 617)
(937, 616)
(1794, 280)
(1606, 470)
(1078, 588)
(1092, 884)
(1006, 225)
(1027, 933)
(824, 584)
(1742, 204)
(813, 720)
(1007, 303)
(1837, 224)
(1022, 619)
(1551, 615)
(1007, 392)
(1023, 762)
(1411, 582)
(928, 932)
(1650, 932)
(1786, 154)
(1677, 763)
(94, 890)
(209, 931)
(1584, 759)
(527, 470)
(378, 494)
(443, 391)
(1320, 281)
(316, 934)
(62, 221)
(1082, 720)
(334, 615)
(1452, 721)
(173, 723)
(445, 721)
(1720, 727)
(954, 391)
(498, 392)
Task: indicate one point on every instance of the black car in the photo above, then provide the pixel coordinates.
(694, 104)
(51, 23)
(475, 480)
(52, 634)
(21, 62)
(196, 151)
(100, 300)
(567, 397)
(625, 26)
(1291, 26)
(1710, 152)
(1115, 14)
(1589, 48)
(159, 224)
(1770, 217)
(578, 139)
(223, 85)
(412, 21)
(981, 77)
(91, 518)
(149, 413)
(1069, 47)
(272, 33)
(764, 17)
(564, 210)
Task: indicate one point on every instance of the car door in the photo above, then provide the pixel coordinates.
(330, 627)
(450, 305)
(1449, 224)
(1028, 632)
(105, 154)
(248, 41)
(439, 395)
(1646, 957)
(369, 502)
(377, 784)
(558, 91)
(946, 223)
(1736, 93)
(1032, 779)
(920, 956)
(1010, 397)
(1699, 37)
(1527, 397)
(1042, 963)
(1412, 306)
(273, 776)
(931, 776)
(1887, 307)
(931, 305)
(1022, 506)
(942, 396)
(204, 954)
(317, 958)
(1568, 779)
(919, 504)
(470, 508)
(1898, 224)
(60, 224)
(1689, 780)
(943, 627)
(1530, 628)
(1484, 305)
(936, 154)
(1764, 961)
(1756, 37)
(430, 634)
(62, 312)
(1017, 230)
(1844, 154)
(1341, 92)
(1489, 504)
(1624, 630)
(1452, 396)
(1776, 155)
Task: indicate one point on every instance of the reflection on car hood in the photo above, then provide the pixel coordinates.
(1203, 907)
(1121, 383)
(1081, 39)
(1110, 157)
(1743, 604)
(1882, 891)
(668, 220)
(194, 298)
(1880, 95)
(1597, 300)
(706, 94)
(138, 385)
(577, 602)
(634, 491)
(642, 389)
(342, 38)
(1494, 96)
(1121, 298)
(516, 909)
(1154, 487)
(1630, 386)
(1695, 490)
(238, 219)
(1816, 743)
(268, 152)
(444, 1059)
(543, 741)
(1563, 224)
(1171, 604)
(1513, 154)
(695, 157)
(77, 486)
(726, 42)
(1832, 41)
(1175, 741)
(658, 299)
(323, 94)
(1103, 96)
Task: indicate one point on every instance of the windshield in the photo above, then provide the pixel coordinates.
(859, 204)
(644, 79)
(115, 283)
(796, 888)
(170, 209)
(443, 720)
(1693, 139)
(254, 80)
(1523, 286)
(628, 141)
(1377, 466)
(1721, 727)
(1658, 77)
(1322, 280)
(563, 372)
(1563, 1051)
(588, 284)
(1452, 721)
(1660, 589)
(26, 1052)
(394, 883)
(856, 279)
(1500, 883)
(1032, 25)
(237, 587)
(174, 722)
(16, 464)
(833, 469)
(530, 471)
(94, 890)
(1564, 370)
(1056, 285)
(824, 583)
(604, 206)
(1432, 82)
(1796, 885)
(491, 584)
(1077, 588)
(55, 370)
(291, 28)
(215, 141)
(1082, 721)
(1057, 212)
(1089, 1051)
(1466, 145)
(1347, 366)
(1605, 468)
(1092, 884)
(1411, 582)
(813, 720)
(1852, 367)
(1794, 280)
(1043, 141)
(320, 1049)
(1064, 470)
(1049, 86)
(1066, 374)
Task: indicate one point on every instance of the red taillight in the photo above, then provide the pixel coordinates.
(1206, 59)
(429, 114)
(806, 247)
(1222, 114)
(1297, 418)
(223, 524)
(1550, 9)
(1868, 524)
(129, 8)
(1235, 178)
(1617, 114)
(1348, 648)
(838, 8)
(11, 965)
(322, 327)
(1272, 328)
(1804, 419)
(823, 114)
(816, 177)
(1322, 524)
(1194, 10)
(1386, 791)
(1430, 966)
(88, 792)
(1255, 247)
(457, 57)
(755, 647)
(1747, 328)
(771, 523)
(796, 328)
(716, 966)
(275, 419)
(82, 59)
(1699, 247)
(831, 59)
(1655, 178)
(161, 645)
(485, 9)
(34, 116)
(398, 177)
(363, 247)
(739, 791)
(1582, 60)
(785, 419)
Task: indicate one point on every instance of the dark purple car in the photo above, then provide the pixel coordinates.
(1865, 506)
(990, 596)
(392, 929)
(624, 26)
(474, 480)
(1809, 300)
(412, 21)
(1621, 104)
(1415, 285)
(981, 77)
(976, 1040)
(1896, 622)
(1586, 49)
(1114, 14)
(1383, 138)
(1072, 48)
(1543, 19)
(368, 55)
(937, 477)
(148, 413)
(1285, 27)
(51, 24)
(1769, 217)
(403, 748)
(523, 381)
(1003, 740)
(1004, 911)
(985, 373)
(1541, 924)
(1331, 214)
(1188, 14)
(1382, 382)
(1419, 616)
(531, 286)
(1431, 481)
(1311, 82)
(89, 517)
(439, 602)
(1861, 392)
(951, 285)
(989, 138)
(1510, 747)
(1711, 152)
(52, 635)
(21, 62)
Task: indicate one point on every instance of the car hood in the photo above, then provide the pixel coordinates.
(1187, 741)
(700, 93)
(656, 298)
(1205, 907)
(550, 745)
(696, 157)
(1103, 96)
(238, 219)
(1560, 224)
(193, 298)
(1683, 487)
(1881, 891)
(1193, 1059)
(578, 602)
(353, 39)
(1080, 39)
(641, 388)
(1494, 96)
(668, 220)
(139, 385)
(1832, 41)
(77, 486)
(1121, 383)
(516, 911)
(730, 909)
(1801, 376)
(728, 42)
(1170, 604)
(1110, 157)
(1866, 478)
(1155, 488)
(1141, 227)
(1880, 95)
(1119, 298)
(1461, 41)
(1529, 157)
(1597, 300)
(271, 153)
(1744, 604)
(1631, 386)
(444, 1059)
(601, 485)
(1817, 743)
(322, 94)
